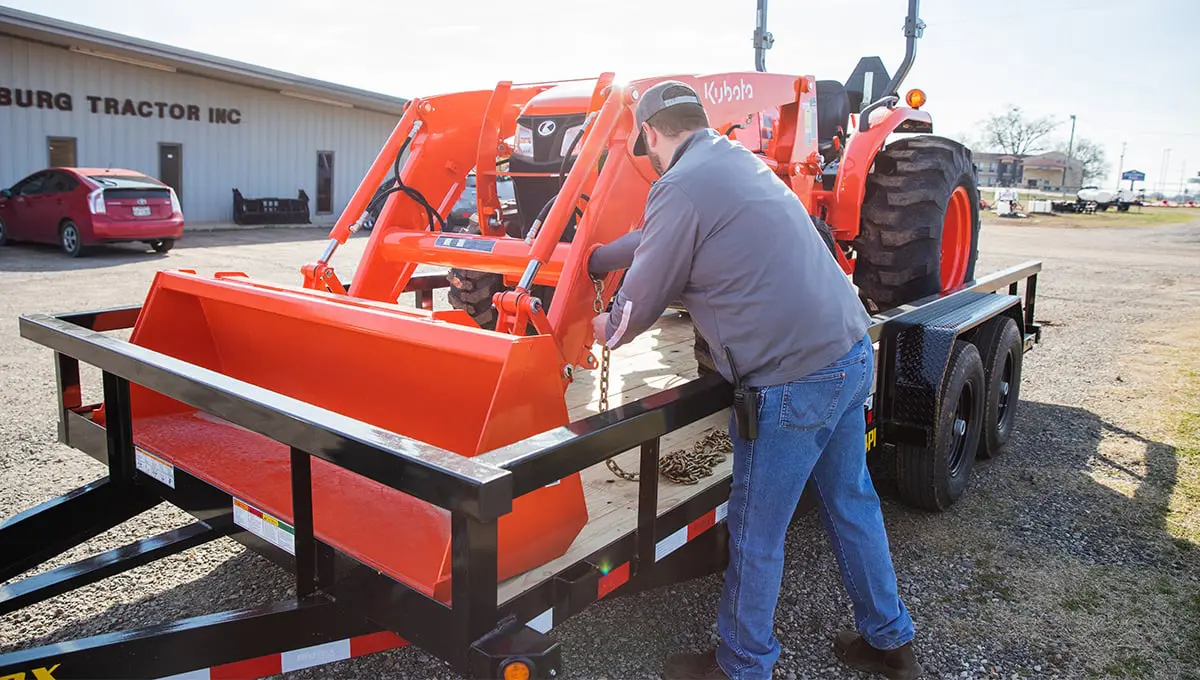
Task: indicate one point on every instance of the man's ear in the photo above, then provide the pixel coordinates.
(650, 135)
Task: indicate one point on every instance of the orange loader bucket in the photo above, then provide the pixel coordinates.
(430, 376)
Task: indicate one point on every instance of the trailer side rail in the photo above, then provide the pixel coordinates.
(476, 491)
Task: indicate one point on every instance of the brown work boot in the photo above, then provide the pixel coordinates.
(694, 666)
(896, 664)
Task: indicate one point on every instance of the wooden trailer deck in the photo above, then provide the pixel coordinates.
(659, 359)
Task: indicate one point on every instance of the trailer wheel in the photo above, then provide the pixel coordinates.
(933, 478)
(920, 222)
(1001, 349)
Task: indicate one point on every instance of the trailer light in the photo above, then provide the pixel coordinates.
(515, 670)
(915, 98)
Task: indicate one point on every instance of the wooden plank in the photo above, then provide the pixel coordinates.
(658, 359)
(662, 353)
(612, 503)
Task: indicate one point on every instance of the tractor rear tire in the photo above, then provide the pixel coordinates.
(920, 222)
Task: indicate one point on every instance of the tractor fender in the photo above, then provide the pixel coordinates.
(844, 210)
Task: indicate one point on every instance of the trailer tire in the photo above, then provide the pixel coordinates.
(1001, 349)
(920, 216)
(934, 477)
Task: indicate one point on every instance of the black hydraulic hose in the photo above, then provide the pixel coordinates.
(411, 192)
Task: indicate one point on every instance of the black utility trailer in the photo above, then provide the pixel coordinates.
(947, 386)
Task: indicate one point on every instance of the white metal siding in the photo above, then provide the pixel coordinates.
(271, 152)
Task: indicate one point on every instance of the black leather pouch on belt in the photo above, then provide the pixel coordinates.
(745, 404)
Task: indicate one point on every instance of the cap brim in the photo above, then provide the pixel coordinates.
(639, 146)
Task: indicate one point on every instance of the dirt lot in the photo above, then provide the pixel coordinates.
(1075, 554)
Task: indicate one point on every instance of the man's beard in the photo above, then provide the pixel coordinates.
(655, 162)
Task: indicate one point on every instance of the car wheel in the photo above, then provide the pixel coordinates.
(3, 233)
(69, 239)
(163, 245)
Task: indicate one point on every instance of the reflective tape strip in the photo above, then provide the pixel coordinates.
(670, 544)
(292, 660)
(543, 622)
(690, 532)
(201, 674)
(317, 655)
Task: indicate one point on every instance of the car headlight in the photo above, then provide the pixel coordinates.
(524, 144)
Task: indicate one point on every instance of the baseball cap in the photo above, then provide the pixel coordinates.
(661, 96)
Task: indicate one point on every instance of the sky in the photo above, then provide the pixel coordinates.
(1127, 70)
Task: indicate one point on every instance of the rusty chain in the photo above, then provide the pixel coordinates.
(682, 466)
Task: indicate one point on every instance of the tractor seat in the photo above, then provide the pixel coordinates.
(833, 114)
(833, 109)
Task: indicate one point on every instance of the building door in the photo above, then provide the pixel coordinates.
(324, 182)
(170, 167)
(61, 151)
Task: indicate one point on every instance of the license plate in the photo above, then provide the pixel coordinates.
(141, 211)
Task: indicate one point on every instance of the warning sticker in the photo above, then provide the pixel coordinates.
(482, 245)
(154, 467)
(267, 527)
(810, 123)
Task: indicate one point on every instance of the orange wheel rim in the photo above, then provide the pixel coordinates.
(956, 239)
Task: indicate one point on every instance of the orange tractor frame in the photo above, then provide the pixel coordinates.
(904, 219)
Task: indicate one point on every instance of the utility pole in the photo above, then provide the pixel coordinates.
(1162, 172)
(1070, 145)
(1121, 167)
(1182, 174)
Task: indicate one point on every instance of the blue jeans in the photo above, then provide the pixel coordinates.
(814, 427)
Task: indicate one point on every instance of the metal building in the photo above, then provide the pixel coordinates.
(71, 95)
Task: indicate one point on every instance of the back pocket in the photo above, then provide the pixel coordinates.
(810, 403)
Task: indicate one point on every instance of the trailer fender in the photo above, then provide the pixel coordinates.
(917, 361)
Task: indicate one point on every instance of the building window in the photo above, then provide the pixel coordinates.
(324, 182)
(61, 151)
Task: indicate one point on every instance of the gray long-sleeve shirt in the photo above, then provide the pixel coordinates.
(725, 236)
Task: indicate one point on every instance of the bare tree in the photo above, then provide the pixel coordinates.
(1013, 132)
(1091, 154)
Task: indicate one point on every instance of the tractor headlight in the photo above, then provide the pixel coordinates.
(524, 145)
(569, 137)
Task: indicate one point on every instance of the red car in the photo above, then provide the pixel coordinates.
(80, 207)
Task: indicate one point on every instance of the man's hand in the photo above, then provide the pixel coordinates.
(600, 327)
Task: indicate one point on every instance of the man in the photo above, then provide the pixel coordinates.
(734, 244)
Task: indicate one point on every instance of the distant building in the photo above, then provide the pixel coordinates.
(1045, 172)
(1041, 171)
(72, 95)
(998, 169)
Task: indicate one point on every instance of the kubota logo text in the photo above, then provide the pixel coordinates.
(717, 93)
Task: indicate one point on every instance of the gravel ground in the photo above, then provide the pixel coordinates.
(1058, 562)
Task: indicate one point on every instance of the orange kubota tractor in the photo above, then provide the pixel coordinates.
(904, 218)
